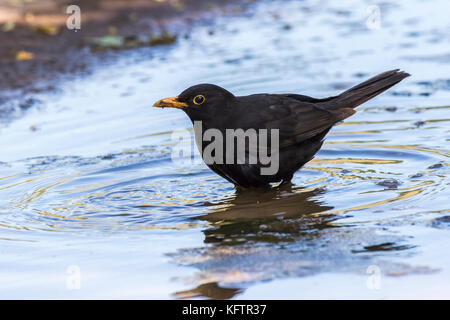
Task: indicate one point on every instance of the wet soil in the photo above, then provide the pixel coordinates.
(37, 49)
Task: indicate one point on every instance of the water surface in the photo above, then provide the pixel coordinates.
(92, 205)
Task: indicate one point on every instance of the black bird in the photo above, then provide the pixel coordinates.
(301, 122)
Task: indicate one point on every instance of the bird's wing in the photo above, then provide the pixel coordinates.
(297, 117)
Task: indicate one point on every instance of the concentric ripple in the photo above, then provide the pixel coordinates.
(95, 185)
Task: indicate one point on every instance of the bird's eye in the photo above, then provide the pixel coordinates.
(199, 99)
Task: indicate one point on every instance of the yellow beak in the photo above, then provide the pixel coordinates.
(170, 103)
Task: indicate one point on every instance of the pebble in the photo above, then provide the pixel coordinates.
(389, 183)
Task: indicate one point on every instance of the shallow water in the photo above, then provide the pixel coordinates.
(92, 204)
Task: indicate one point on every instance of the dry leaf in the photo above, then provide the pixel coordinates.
(8, 26)
(24, 55)
(47, 30)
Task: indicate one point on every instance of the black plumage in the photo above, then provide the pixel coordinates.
(302, 122)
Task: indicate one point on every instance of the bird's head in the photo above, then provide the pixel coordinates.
(199, 101)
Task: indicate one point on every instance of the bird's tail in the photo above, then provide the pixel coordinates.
(366, 90)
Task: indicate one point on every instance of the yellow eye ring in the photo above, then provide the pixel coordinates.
(199, 99)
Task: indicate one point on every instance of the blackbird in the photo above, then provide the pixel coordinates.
(297, 124)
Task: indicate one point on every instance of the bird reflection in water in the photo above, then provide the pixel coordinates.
(275, 217)
(209, 290)
(271, 216)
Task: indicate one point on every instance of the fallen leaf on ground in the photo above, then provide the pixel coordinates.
(8, 26)
(47, 30)
(24, 55)
(163, 39)
(108, 41)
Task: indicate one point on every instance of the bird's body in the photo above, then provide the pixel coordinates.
(301, 123)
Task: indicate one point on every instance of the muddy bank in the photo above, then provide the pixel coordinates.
(37, 48)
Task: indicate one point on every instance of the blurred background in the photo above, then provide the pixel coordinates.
(93, 205)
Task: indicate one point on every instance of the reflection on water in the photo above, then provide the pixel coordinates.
(262, 216)
(208, 290)
(257, 236)
(96, 187)
(283, 201)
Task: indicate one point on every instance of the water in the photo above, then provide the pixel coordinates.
(93, 206)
